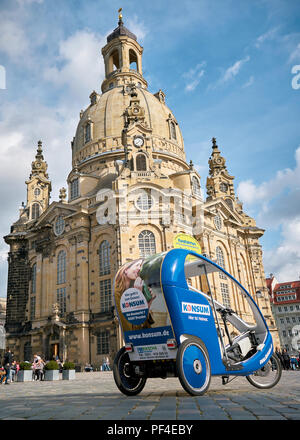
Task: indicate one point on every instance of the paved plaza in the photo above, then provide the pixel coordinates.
(94, 396)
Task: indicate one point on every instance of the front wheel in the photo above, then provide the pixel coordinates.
(125, 380)
(268, 376)
(193, 366)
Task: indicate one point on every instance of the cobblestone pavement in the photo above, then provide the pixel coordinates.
(94, 396)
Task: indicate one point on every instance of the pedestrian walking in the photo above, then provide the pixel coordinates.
(13, 371)
(107, 362)
(104, 364)
(7, 365)
(36, 367)
(286, 359)
(294, 363)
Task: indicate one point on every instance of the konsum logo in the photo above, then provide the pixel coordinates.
(197, 309)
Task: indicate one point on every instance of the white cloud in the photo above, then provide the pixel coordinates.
(28, 2)
(233, 70)
(269, 35)
(284, 261)
(13, 41)
(277, 202)
(79, 65)
(249, 82)
(230, 73)
(295, 55)
(193, 76)
(287, 179)
(22, 124)
(135, 25)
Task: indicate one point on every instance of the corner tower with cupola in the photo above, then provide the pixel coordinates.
(38, 186)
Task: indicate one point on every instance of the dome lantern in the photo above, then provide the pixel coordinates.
(122, 58)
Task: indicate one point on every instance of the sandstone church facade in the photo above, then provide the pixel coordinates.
(63, 255)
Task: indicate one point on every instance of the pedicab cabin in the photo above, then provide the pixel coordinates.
(173, 329)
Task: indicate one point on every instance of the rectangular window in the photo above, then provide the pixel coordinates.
(225, 295)
(32, 308)
(284, 333)
(105, 295)
(74, 189)
(61, 300)
(103, 342)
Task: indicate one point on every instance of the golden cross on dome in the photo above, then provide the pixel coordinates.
(120, 13)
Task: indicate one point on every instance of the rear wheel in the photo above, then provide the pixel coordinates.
(193, 366)
(267, 376)
(125, 380)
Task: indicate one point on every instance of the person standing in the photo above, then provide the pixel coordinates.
(7, 365)
(286, 359)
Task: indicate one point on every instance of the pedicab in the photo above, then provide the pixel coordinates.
(175, 325)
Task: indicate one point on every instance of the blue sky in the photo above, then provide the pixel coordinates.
(225, 66)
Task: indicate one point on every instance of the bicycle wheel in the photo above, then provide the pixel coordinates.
(193, 366)
(268, 376)
(124, 379)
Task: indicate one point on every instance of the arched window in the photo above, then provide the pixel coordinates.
(220, 261)
(61, 267)
(104, 258)
(173, 130)
(35, 211)
(33, 279)
(133, 60)
(141, 163)
(218, 222)
(229, 203)
(114, 61)
(147, 245)
(74, 188)
(196, 186)
(87, 132)
(59, 226)
(33, 292)
(37, 192)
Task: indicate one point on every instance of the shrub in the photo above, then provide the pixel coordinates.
(52, 365)
(69, 366)
(25, 366)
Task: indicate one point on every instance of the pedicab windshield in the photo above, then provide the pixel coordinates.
(225, 293)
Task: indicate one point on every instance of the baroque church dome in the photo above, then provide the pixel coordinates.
(125, 101)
